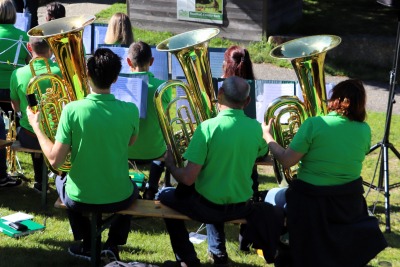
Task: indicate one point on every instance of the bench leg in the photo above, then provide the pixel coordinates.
(96, 238)
(45, 180)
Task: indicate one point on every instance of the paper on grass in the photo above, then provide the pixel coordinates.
(196, 238)
(17, 217)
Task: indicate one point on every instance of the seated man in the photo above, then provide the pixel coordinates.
(150, 142)
(220, 156)
(18, 85)
(97, 131)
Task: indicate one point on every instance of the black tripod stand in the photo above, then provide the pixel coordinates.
(385, 145)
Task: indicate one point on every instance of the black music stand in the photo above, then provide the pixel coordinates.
(385, 145)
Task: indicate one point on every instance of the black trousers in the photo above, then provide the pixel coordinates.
(31, 6)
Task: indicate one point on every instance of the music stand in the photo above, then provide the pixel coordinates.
(385, 145)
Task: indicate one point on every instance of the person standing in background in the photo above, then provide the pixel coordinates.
(119, 30)
(30, 6)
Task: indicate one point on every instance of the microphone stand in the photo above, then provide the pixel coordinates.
(385, 145)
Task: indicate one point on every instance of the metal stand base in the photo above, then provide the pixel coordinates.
(385, 145)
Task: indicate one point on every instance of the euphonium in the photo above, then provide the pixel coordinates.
(11, 156)
(307, 56)
(65, 37)
(191, 50)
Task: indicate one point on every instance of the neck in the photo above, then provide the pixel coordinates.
(100, 91)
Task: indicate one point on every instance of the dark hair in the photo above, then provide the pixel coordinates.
(348, 99)
(104, 67)
(237, 62)
(55, 10)
(39, 45)
(236, 90)
(8, 14)
(140, 54)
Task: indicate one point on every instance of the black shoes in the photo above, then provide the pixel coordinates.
(8, 181)
(79, 251)
(218, 260)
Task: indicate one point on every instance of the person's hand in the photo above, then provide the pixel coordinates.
(33, 118)
(268, 130)
(169, 158)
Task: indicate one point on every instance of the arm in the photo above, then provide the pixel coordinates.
(132, 140)
(55, 153)
(186, 175)
(287, 157)
(15, 105)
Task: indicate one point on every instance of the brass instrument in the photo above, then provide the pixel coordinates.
(307, 56)
(65, 37)
(191, 50)
(11, 156)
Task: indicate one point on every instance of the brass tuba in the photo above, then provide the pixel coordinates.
(307, 56)
(191, 50)
(11, 156)
(65, 37)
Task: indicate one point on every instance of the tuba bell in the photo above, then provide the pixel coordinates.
(191, 50)
(65, 38)
(307, 56)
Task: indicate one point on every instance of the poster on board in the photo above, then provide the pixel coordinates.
(208, 11)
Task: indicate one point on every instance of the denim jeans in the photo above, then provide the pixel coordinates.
(200, 209)
(80, 225)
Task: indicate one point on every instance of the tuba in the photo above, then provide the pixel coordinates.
(65, 37)
(307, 56)
(11, 156)
(191, 50)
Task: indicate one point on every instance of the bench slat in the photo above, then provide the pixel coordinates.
(150, 208)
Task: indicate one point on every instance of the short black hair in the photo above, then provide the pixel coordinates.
(104, 67)
(55, 10)
(140, 54)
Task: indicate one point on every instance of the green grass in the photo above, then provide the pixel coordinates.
(148, 240)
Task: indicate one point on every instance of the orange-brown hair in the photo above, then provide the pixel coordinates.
(348, 99)
(237, 62)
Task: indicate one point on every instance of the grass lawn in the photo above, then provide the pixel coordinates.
(148, 240)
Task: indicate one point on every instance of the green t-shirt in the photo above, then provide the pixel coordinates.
(334, 148)
(8, 50)
(226, 146)
(19, 82)
(98, 128)
(150, 143)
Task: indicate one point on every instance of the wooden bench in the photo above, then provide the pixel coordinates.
(5, 143)
(140, 207)
(16, 146)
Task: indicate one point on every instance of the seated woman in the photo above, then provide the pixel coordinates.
(327, 216)
(119, 30)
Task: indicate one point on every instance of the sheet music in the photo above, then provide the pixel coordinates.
(176, 69)
(87, 39)
(99, 34)
(216, 57)
(267, 91)
(121, 51)
(132, 89)
(160, 64)
(328, 88)
(23, 21)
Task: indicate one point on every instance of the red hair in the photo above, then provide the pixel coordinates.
(348, 99)
(237, 62)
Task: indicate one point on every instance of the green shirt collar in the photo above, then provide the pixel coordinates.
(101, 97)
(231, 112)
(144, 72)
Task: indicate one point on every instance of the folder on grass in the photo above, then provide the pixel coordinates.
(32, 227)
